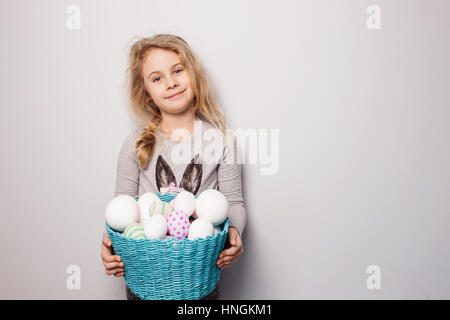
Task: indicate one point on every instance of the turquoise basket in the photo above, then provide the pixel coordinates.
(174, 269)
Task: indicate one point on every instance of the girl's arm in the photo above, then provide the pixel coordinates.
(230, 184)
(127, 178)
(127, 173)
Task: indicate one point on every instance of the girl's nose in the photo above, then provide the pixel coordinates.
(172, 83)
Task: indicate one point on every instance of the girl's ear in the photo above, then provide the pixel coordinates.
(164, 175)
(192, 177)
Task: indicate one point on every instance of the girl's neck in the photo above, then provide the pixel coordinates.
(171, 122)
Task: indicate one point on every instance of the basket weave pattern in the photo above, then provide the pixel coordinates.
(170, 269)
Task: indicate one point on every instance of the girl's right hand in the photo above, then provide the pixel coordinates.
(113, 264)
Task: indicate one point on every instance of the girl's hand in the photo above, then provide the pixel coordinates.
(228, 256)
(112, 263)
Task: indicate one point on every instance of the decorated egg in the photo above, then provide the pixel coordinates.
(155, 227)
(121, 211)
(213, 206)
(184, 201)
(178, 224)
(160, 207)
(134, 231)
(156, 207)
(200, 228)
(144, 202)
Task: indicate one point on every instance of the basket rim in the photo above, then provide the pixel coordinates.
(199, 240)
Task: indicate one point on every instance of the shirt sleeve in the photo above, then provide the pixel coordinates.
(230, 185)
(127, 178)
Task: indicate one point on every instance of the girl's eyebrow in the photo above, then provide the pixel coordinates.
(160, 71)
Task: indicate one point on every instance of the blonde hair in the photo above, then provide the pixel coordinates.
(143, 107)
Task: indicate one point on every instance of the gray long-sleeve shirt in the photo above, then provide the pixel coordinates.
(201, 161)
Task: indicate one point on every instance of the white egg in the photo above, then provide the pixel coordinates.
(144, 203)
(200, 228)
(121, 212)
(213, 206)
(155, 227)
(184, 201)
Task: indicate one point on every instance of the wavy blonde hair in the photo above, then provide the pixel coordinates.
(146, 111)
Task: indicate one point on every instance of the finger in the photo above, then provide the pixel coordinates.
(111, 258)
(112, 265)
(119, 274)
(230, 259)
(232, 239)
(107, 255)
(229, 252)
(227, 259)
(106, 249)
(238, 240)
(114, 271)
(227, 262)
(106, 241)
(225, 265)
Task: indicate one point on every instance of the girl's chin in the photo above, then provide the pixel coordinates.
(177, 108)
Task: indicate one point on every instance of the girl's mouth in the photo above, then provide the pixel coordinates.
(176, 95)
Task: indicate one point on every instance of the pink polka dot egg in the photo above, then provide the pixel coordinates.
(178, 224)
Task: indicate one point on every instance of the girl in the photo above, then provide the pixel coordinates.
(169, 92)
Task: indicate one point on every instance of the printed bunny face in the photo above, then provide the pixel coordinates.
(191, 180)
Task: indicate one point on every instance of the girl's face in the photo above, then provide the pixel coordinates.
(167, 81)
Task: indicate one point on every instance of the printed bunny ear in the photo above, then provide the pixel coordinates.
(164, 175)
(192, 177)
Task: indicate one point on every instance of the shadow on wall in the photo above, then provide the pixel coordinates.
(234, 280)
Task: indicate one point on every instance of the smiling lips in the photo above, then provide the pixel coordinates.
(176, 94)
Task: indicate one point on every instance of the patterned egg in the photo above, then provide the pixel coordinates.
(134, 231)
(160, 207)
(178, 224)
(144, 202)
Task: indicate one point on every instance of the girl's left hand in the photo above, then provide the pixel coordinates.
(228, 256)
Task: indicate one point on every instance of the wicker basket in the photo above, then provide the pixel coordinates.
(170, 269)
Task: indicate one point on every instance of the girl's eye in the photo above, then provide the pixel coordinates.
(178, 70)
(155, 79)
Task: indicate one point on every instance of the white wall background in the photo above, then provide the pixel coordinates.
(364, 141)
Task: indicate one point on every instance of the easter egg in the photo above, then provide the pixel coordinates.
(213, 206)
(185, 201)
(200, 228)
(178, 224)
(156, 207)
(121, 211)
(160, 207)
(144, 202)
(155, 227)
(134, 231)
